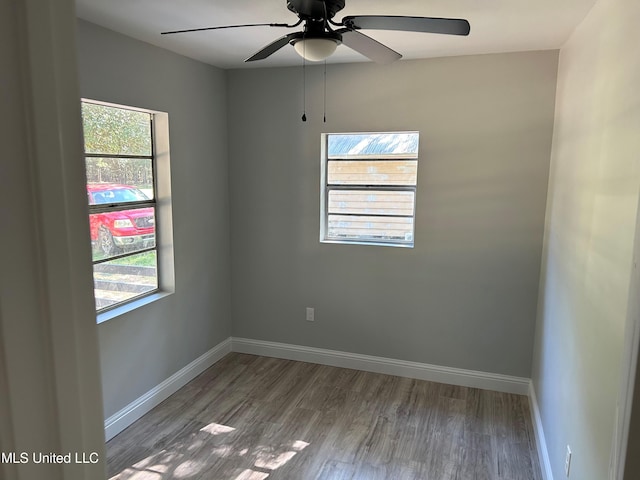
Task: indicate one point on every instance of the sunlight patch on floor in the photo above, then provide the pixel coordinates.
(274, 461)
(130, 474)
(191, 458)
(251, 475)
(217, 429)
(188, 469)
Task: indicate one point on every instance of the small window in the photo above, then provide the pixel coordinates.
(369, 188)
(121, 193)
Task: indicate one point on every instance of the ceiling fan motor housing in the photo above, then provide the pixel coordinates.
(315, 9)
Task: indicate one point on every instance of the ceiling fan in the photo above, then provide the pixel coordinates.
(319, 39)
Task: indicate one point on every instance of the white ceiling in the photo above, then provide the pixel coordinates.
(496, 26)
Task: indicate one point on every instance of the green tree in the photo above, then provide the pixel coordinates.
(117, 131)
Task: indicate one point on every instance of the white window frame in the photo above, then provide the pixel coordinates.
(163, 215)
(325, 188)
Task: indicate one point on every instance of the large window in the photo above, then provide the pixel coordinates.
(121, 193)
(369, 188)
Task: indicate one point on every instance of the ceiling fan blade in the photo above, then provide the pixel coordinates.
(232, 26)
(450, 26)
(368, 47)
(273, 47)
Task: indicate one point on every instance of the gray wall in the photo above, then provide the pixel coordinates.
(466, 295)
(589, 239)
(141, 349)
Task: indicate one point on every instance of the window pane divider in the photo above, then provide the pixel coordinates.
(119, 155)
(390, 188)
(377, 215)
(372, 158)
(124, 255)
(116, 207)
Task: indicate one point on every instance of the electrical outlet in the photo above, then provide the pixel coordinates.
(567, 461)
(310, 314)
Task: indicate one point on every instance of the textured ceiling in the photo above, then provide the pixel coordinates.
(496, 26)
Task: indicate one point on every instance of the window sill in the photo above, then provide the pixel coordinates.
(374, 244)
(130, 306)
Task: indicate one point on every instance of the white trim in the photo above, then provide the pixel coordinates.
(541, 443)
(388, 366)
(136, 409)
(629, 377)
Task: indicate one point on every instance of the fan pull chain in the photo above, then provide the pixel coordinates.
(325, 92)
(327, 27)
(304, 83)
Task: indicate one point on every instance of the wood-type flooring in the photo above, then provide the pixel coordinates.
(256, 418)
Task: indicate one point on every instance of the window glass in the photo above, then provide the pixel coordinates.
(123, 279)
(100, 193)
(372, 172)
(129, 173)
(371, 228)
(115, 130)
(378, 145)
(372, 202)
(122, 231)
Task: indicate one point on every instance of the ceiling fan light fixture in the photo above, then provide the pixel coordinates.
(316, 49)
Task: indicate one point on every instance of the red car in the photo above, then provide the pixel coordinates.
(114, 232)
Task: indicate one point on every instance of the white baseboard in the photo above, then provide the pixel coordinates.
(388, 366)
(136, 409)
(541, 443)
